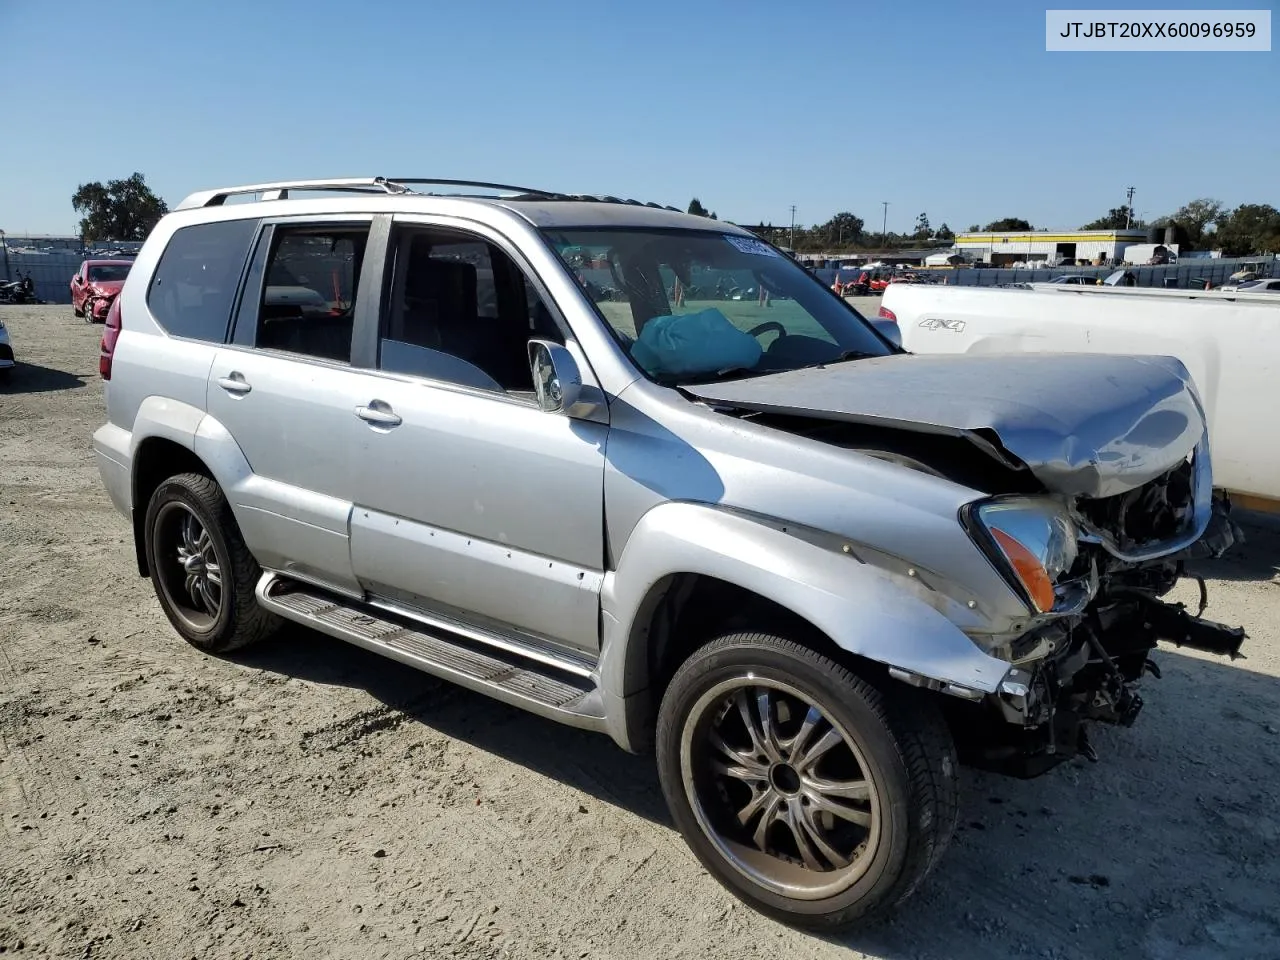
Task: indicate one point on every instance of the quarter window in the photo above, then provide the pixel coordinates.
(195, 282)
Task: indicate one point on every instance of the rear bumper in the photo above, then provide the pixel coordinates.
(111, 449)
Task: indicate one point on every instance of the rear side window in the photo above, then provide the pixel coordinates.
(195, 283)
(309, 296)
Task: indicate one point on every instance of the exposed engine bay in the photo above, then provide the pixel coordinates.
(1086, 664)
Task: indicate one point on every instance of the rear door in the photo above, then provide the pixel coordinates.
(287, 390)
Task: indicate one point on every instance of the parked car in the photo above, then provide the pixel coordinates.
(95, 285)
(1259, 286)
(7, 362)
(810, 571)
(1075, 279)
(1251, 283)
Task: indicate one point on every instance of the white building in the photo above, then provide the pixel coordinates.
(1021, 246)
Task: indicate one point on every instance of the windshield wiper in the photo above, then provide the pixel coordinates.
(727, 373)
(842, 357)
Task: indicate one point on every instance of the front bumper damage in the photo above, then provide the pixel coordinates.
(1039, 716)
(97, 308)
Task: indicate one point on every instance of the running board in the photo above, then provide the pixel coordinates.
(501, 674)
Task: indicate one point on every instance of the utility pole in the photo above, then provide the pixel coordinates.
(1128, 210)
(884, 225)
(791, 240)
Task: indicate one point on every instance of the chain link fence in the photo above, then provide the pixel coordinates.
(52, 262)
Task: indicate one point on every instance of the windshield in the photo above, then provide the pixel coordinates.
(109, 272)
(690, 306)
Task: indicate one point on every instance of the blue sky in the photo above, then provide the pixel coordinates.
(950, 108)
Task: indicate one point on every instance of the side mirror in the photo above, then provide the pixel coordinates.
(557, 380)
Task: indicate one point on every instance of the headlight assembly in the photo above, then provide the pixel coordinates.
(1033, 541)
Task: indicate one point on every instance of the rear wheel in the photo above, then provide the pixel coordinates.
(812, 794)
(203, 573)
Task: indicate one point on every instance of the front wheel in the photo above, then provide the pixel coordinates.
(203, 573)
(812, 794)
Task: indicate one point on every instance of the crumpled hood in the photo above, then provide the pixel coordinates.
(1084, 424)
(106, 288)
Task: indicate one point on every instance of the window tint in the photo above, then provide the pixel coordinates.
(195, 282)
(308, 297)
(461, 310)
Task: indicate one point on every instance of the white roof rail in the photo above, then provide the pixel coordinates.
(279, 190)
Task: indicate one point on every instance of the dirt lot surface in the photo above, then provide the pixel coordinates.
(308, 799)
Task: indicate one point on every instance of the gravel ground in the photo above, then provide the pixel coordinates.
(309, 799)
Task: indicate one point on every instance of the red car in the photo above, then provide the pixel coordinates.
(95, 286)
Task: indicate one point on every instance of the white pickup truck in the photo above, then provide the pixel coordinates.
(1230, 342)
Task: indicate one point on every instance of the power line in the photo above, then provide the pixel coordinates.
(1128, 210)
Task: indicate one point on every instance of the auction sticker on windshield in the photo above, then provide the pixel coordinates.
(752, 245)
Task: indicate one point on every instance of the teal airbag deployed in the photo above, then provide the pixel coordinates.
(691, 343)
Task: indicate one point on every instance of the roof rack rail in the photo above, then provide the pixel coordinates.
(279, 190)
(505, 187)
(595, 198)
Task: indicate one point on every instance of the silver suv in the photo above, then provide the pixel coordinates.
(639, 472)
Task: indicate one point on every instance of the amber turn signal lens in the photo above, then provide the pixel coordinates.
(1029, 570)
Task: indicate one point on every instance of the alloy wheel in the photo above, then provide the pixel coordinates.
(782, 790)
(190, 572)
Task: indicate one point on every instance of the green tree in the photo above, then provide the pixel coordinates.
(1007, 225)
(1195, 216)
(1251, 228)
(922, 227)
(1117, 218)
(945, 233)
(713, 215)
(696, 208)
(121, 210)
(844, 229)
(973, 228)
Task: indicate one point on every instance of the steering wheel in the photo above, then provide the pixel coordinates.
(765, 327)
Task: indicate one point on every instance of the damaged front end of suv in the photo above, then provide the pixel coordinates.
(1097, 486)
(1095, 573)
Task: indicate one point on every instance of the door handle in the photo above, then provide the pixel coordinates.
(234, 383)
(379, 414)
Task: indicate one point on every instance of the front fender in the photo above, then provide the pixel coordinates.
(864, 609)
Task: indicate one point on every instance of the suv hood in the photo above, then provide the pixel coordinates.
(1085, 425)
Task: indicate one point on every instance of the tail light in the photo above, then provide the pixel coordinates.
(886, 314)
(110, 334)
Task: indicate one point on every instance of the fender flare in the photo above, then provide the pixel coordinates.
(190, 427)
(862, 608)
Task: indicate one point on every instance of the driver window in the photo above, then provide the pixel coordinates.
(462, 311)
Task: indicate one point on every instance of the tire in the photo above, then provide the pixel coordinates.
(213, 620)
(904, 789)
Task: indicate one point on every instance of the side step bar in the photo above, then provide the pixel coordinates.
(501, 674)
